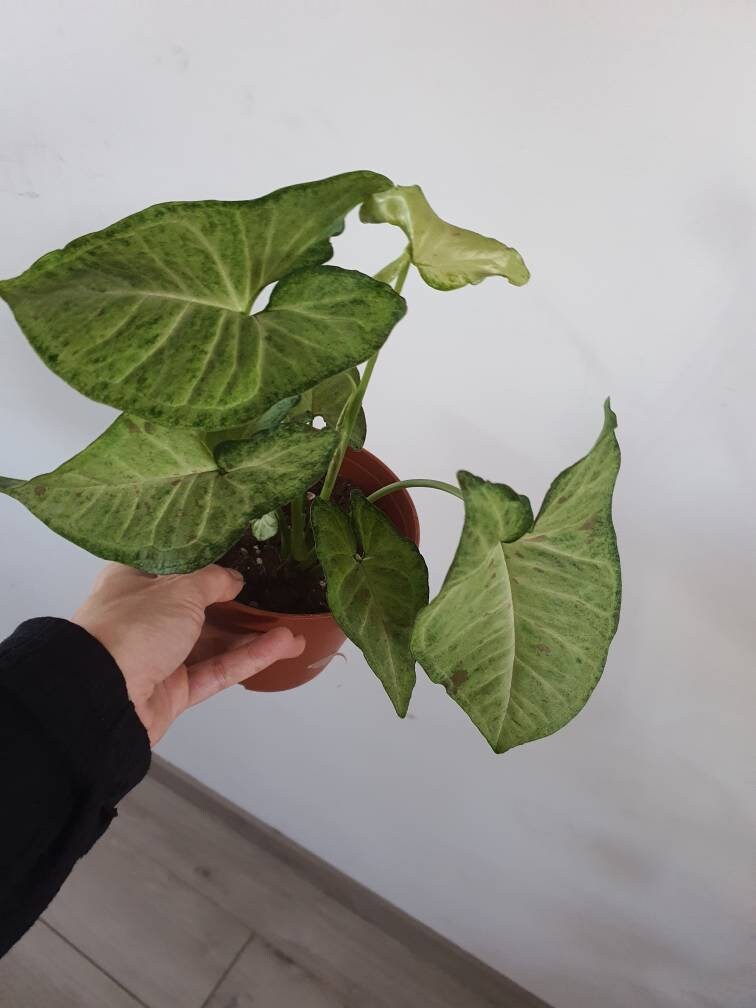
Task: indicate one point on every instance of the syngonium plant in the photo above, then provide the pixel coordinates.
(157, 316)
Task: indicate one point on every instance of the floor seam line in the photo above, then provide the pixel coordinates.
(216, 986)
(94, 963)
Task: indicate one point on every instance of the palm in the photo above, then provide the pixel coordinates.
(171, 659)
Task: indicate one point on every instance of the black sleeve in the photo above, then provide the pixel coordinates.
(71, 746)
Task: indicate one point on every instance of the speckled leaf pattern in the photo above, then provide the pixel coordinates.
(377, 582)
(329, 398)
(446, 256)
(151, 315)
(160, 500)
(520, 631)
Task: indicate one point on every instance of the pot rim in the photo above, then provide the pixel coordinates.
(242, 607)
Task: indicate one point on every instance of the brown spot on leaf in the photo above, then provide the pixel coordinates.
(588, 525)
(459, 678)
(562, 500)
(543, 649)
(538, 538)
(40, 490)
(131, 427)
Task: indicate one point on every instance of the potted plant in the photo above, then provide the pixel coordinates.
(241, 442)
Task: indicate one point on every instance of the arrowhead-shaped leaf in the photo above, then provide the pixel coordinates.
(160, 500)
(520, 631)
(329, 398)
(152, 314)
(446, 256)
(377, 583)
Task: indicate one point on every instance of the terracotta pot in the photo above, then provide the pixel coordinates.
(322, 633)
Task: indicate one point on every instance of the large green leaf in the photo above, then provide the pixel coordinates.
(328, 399)
(152, 314)
(377, 583)
(520, 631)
(160, 500)
(446, 256)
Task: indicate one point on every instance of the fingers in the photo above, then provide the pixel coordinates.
(216, 584)
(217, 673)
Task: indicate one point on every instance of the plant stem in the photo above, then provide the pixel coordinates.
(402, 484)
(284, 533)
(396, 271)
(299, 549)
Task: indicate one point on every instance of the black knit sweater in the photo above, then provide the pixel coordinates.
(71, 746)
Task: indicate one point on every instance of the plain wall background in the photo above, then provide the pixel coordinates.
(610, 865)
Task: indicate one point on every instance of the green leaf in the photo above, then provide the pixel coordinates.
(266, 526)
(520, 631)
(329, 398)
(447, 257)
(160, 500)
(377, 582)
(6, 482)
(151, 315)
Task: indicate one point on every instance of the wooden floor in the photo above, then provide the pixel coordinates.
(187, 903)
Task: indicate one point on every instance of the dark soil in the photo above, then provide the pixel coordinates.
(276, 584)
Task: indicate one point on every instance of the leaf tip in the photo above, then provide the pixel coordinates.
(517, 273)
(400, 705)
(466, 479)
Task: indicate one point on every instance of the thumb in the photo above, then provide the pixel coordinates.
(215, 583)
(212, 675)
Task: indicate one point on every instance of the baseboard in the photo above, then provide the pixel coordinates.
(421, 940)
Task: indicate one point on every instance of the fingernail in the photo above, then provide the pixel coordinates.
(237, 574)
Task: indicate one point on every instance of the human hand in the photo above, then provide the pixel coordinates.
(152, 626)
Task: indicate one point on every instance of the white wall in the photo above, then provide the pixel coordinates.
(614, 144)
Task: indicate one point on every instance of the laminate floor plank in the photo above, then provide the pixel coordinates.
(44, 971)
(351, 958)
(160, 938)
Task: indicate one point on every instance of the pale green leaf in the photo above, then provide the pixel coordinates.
(152, 314)
(520, 631)
(265, 527)
(160, 500)
(377, 582)
(446, 256)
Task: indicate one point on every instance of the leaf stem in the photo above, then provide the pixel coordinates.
(397, 271)
(403, 484)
